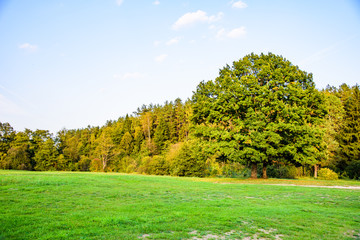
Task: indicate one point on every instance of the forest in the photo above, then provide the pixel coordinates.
(261, 117)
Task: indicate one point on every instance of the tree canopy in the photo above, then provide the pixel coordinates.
(259, 110)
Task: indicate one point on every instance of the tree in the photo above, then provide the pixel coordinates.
(161, 135)
(138, 139)
(349, 134)
(7, 135)
(68, 147)
(45, 156)
(126, 143)
(18, 156)
(332, 124)
(105, 149)
(147, 122)
(260, 109)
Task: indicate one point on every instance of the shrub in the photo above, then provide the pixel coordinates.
(157, 165)
(292, 172)
(84, 163)
(353, 170)
(327, 174)
(214, 168)
(186, 159)
(96, 165)
(144, 166)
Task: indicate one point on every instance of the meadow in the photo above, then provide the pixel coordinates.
(83, 205)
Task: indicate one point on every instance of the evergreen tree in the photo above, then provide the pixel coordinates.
(332, 124)
(349, 135)
(126, 144)
(161, 135)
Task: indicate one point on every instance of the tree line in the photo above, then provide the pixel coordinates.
(262, 116)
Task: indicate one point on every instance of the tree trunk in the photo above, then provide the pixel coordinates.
(254, 170)
(104, 162)
(303, 168)
(264, 173)
(104, 166)
(315, 170)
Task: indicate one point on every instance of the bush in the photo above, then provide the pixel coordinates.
(353, 170)
(327, 174)
(186, 159)
(157, 166)
(96, 165)
(214, 168)
(84, 163)
(291, 172)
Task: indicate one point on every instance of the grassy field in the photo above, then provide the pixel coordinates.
(64, 205)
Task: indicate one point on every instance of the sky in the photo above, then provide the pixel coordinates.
(70, 64)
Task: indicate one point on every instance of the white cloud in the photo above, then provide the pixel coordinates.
(157, 43)
(239, 4)
(237, 32)
(172, 41)
(28, 47)
(156, 2)
(220, 33)
(160, 58)
(119, 2)
(129, 75)
(234, 33)
(212, 26)
(191, 18)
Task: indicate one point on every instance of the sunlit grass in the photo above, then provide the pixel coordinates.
(63, 205)
(301, 181)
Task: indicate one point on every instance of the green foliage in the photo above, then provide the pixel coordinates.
(216, 168)
(45, 156)
(18, 158)
(84, 163)
(349, 134)
(96, 165)
(162, 135)
(332, 124)
(126, 143)
(158, 166)
(105, 149)
(260, 109)
(327, 174)
(353, 170)
(185, 159)
(7, 135)
(289, 172)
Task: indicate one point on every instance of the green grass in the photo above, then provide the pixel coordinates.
(64, 205)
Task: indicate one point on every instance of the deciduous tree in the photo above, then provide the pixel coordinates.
(261, 109)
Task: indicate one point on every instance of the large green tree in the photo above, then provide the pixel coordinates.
(261, 109)
(7, 135)
(349, 134)
(18, 156)
(332, 125)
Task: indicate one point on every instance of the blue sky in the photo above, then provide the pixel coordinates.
(70, 64)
